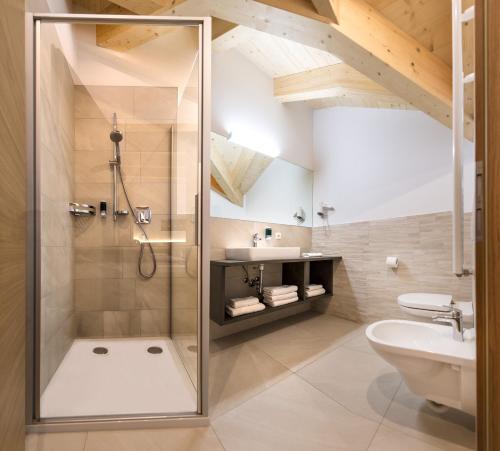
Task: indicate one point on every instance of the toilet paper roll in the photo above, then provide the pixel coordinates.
(392, 262)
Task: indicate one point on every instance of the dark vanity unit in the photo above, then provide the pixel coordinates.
(299, 271)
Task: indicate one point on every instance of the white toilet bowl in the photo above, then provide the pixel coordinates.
(432, 363)
(427, 305)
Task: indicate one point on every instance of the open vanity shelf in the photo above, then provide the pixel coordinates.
(299, 271)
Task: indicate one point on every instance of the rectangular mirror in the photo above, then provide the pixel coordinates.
(249, 185)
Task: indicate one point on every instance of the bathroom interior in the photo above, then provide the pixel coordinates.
(315, 303)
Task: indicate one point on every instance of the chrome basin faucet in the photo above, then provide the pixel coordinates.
(454, 318)
(255, 239)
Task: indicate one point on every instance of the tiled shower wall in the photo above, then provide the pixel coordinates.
(111, 299)
(365, 289)
(55, 161)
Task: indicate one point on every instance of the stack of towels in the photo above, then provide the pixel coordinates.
(284, 294)
(314, 290)
(242, 306)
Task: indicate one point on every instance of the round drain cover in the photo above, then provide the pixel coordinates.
(100, 350)
(155, 350)
(193, 348)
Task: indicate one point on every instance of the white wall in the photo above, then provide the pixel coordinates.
(375, 164)
(278, 193)
(242, 96)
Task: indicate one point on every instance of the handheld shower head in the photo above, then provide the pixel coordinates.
(116, 136)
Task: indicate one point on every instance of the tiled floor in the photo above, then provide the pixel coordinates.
(306, 383)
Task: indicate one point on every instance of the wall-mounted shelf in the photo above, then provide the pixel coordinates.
(300, 272)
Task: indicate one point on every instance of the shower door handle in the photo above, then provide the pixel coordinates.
(196, 219)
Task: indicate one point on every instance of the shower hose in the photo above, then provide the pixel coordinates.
(143, 274)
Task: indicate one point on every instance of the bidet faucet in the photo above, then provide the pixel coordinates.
(454, 317)
(255, 239)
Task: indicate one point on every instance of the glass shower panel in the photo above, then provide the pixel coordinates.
(117, 274)
(185, 276)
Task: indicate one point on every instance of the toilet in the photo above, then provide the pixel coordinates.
(433, 364)
(427, 305)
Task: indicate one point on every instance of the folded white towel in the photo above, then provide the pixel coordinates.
(283, 289)
(282, 302)
(280, 297)
(244, 310)
(314, 286)
(312, 293)
(243, 302)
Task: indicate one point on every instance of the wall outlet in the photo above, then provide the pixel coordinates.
(278, 236)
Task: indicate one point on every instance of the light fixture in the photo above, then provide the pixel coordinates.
(255, 141)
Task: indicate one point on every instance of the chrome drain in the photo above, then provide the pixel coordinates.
(155, 350)
(100, 350)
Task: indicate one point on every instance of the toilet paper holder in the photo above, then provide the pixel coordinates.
(392, 262)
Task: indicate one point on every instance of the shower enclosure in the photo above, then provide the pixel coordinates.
(118, 253)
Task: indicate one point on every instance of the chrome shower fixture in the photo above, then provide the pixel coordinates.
(142, 214)
(115, 164)
(300, 215)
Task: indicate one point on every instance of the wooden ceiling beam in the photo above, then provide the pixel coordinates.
(363, 38)
(322, 83)
(223, 178)
(335, 85)
(125, 37)
(327, 8)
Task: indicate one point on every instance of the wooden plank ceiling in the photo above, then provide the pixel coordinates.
(389, 53)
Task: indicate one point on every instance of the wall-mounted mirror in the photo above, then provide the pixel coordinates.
(249, 185)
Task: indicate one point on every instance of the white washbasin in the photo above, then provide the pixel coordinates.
(262, 253)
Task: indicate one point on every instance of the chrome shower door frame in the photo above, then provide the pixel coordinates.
(33, 420)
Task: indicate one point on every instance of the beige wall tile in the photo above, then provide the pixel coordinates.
(90, 324)
(148, 137)
(92, 167)
(107, 255)
(365, 289)
(155, 166)
(154, 322)
(155, 104)
(92, 263)
(93, 135)
(117, 324)
(152, 293)
(95, 231)
(154, 195)
(104, 294)
(95, 102)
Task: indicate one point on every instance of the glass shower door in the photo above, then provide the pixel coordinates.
(117, 301)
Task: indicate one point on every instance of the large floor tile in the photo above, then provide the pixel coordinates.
(238, 373)
(363, 383)
(172, 439)
(388, 439)
(360, 343)
(408, 413)
(304, 341)
(68, 441)
(293, 415)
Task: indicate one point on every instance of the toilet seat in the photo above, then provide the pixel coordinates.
(429, 304)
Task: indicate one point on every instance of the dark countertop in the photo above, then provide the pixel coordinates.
(284, 260)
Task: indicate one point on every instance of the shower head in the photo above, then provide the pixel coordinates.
(116, 136)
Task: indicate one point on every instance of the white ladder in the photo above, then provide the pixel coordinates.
(459, 82)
